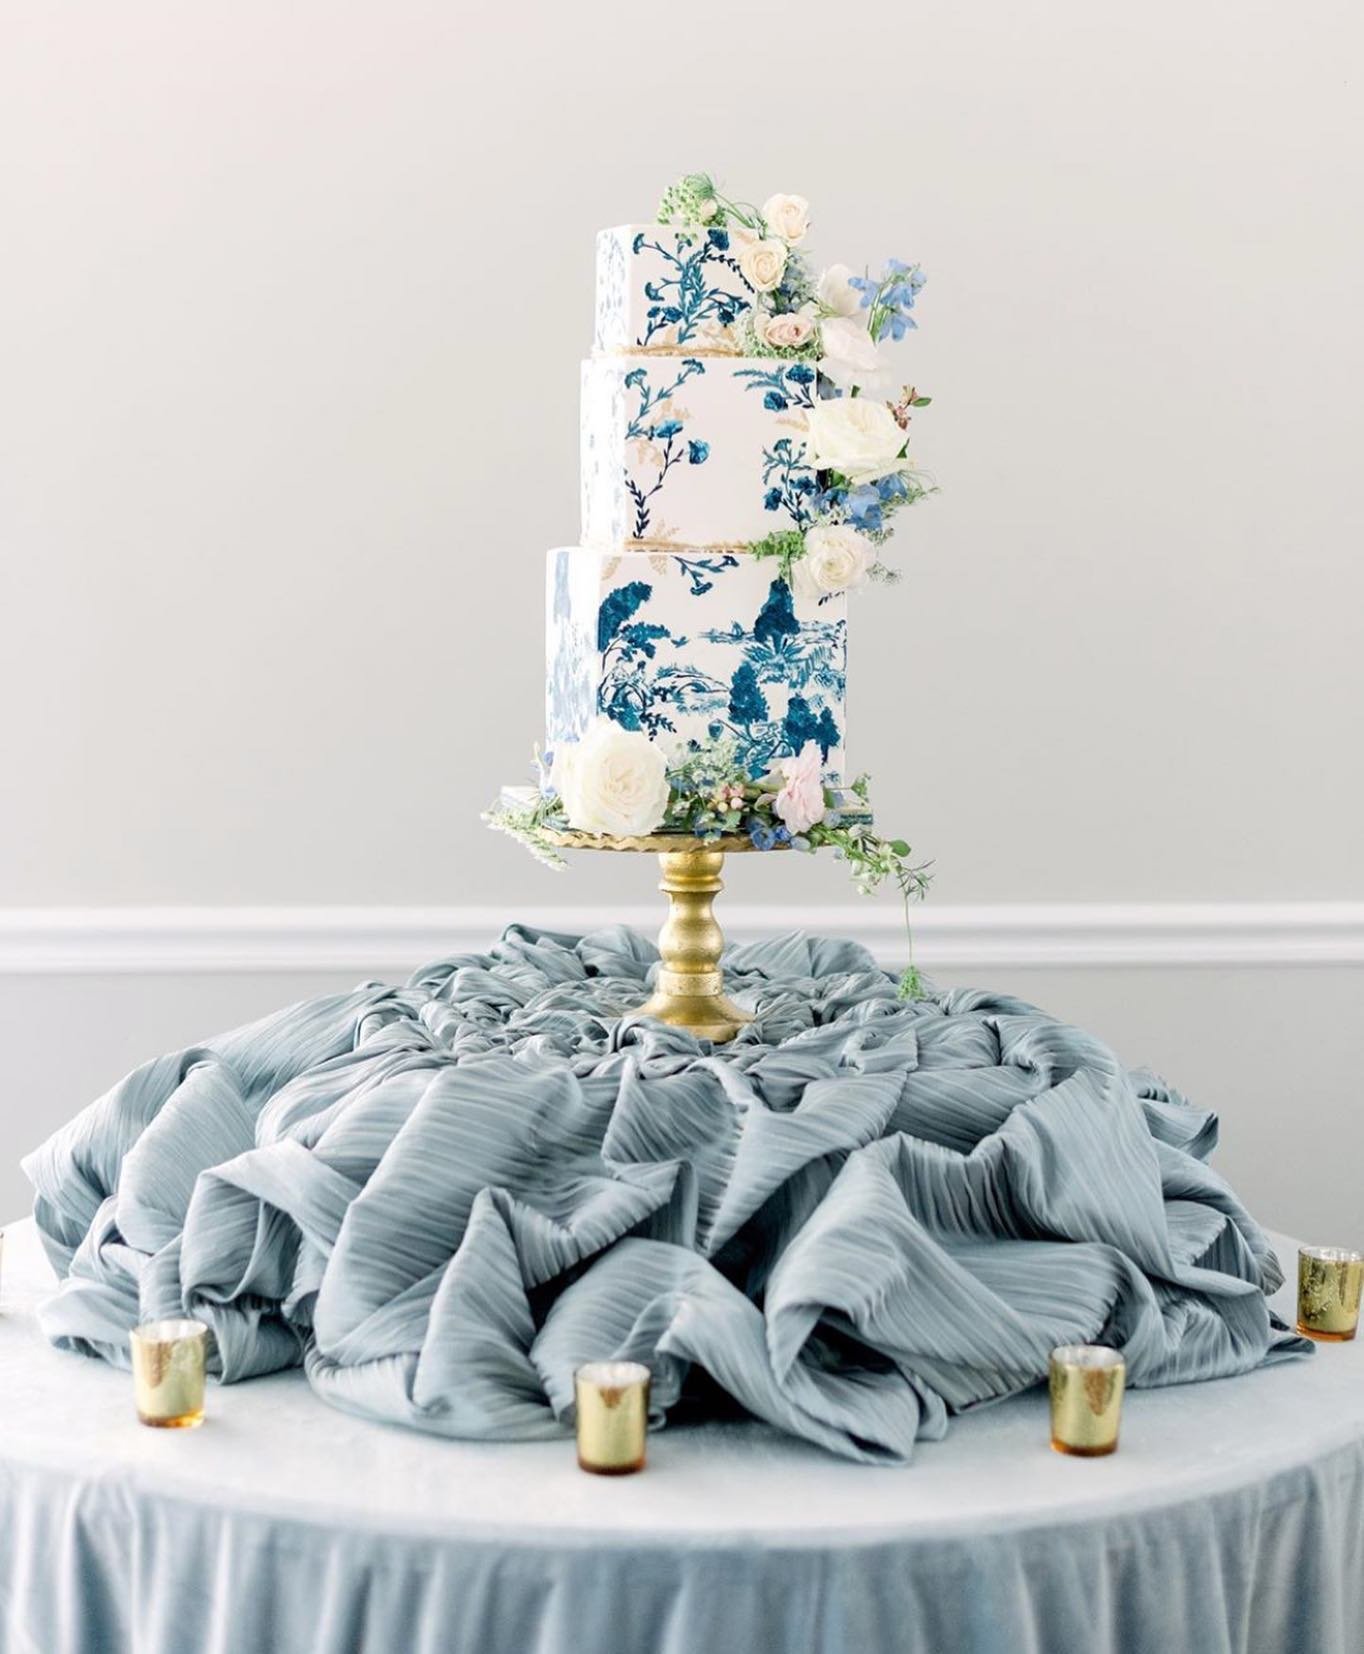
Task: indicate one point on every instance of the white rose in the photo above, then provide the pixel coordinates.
(836, 559)
(763, 264)
(836, 292)
(787, 216)
(856, 436)
(848, 354)
(785, 332)
(613, 781)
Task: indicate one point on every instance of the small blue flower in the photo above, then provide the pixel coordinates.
(698, 452)
(801, 374)
(669, 428)
(719, 239)
(772, 500)
(774, 402)
(761, 838)
(782, 834)
(635, 378)
(637, 245)
(864, 508)
(832, 818)
(800, 842)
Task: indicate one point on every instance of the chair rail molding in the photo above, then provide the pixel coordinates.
(148, 940)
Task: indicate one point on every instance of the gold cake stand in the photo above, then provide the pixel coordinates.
(690, 988)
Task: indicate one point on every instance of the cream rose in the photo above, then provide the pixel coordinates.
(787, 216)
(848, 354)
(613, 780)
(835, 291)
(855, 436)
(763, 264)
(800, 803)
(836, 559)
(785, 332)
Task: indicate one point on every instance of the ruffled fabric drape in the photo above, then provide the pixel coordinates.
(856, 1219)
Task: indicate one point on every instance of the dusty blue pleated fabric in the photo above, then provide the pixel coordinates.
(859, 1217)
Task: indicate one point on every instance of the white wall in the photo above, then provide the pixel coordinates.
(292, 300)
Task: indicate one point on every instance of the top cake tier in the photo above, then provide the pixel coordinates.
(665, 287)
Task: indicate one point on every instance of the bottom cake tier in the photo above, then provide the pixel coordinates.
(688, 646)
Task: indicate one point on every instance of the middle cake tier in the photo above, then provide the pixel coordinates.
(707, 452)
(690, 645)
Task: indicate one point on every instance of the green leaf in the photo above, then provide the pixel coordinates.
(899, 846)
(921, 401)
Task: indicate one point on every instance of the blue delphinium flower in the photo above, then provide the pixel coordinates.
(867, 287)
(863, 506)
(698, 452)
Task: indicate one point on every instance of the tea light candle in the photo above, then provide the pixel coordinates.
(168, 1373)
(1087, 1382)
(1329, 1282)
(613, 1416)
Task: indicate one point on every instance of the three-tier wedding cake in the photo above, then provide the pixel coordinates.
(745, 445)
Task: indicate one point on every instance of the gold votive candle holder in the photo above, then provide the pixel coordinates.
(168, 1373)
(613, 1416)
(1329, 1283)
(1087, 1383)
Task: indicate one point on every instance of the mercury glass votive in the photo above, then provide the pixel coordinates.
(1087, 1382)
(613, 1416)
(1329, 1282)
(168, 1373)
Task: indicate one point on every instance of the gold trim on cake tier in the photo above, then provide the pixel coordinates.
(680, 549)
(670, 350)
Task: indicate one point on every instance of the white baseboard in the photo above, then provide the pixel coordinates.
(146, 940)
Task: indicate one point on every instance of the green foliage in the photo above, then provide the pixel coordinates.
(694, 200)
(787, 545)
(527, 824)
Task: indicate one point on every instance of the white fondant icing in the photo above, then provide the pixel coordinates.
(660, 286)
(694, 451)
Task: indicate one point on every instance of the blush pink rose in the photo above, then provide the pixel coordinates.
(800, 803)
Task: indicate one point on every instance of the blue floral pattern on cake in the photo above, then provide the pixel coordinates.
(789, 485)
(701, 284)
(783, 386)
(787, 686)
(663, 435)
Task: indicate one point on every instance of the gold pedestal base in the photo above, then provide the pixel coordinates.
(689, 991)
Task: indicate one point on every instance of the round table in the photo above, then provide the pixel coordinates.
(1231, 1519)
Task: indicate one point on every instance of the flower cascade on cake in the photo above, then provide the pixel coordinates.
(745, 447)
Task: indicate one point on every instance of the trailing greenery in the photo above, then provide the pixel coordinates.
(711, 796)
(528, 824)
